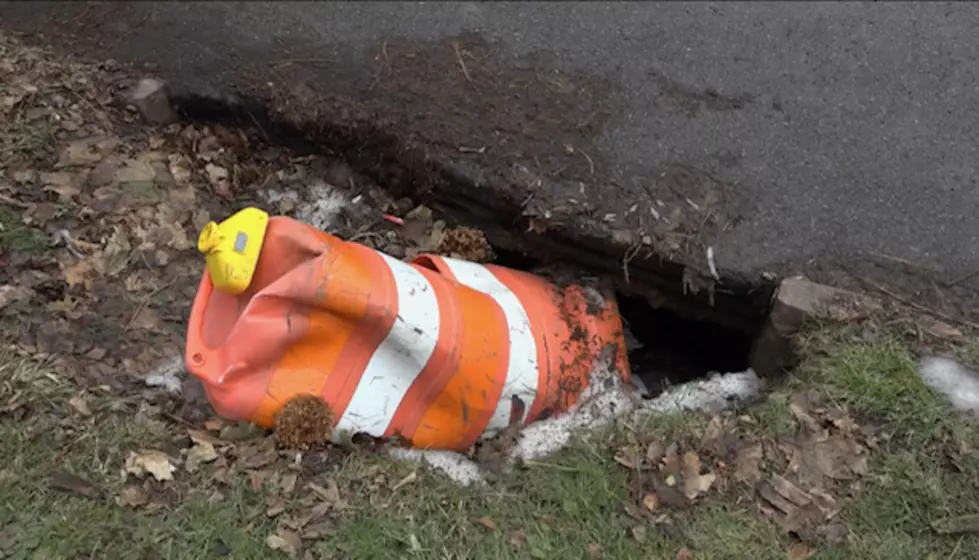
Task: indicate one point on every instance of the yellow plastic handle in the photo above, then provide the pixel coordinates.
(232, 249)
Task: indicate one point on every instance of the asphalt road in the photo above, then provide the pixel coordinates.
(829, 129)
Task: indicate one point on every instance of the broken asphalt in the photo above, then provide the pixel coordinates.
(831, 140)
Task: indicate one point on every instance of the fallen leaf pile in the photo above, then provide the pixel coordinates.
(797, 481)
(99, 215)
(422, 233)
(667, 477)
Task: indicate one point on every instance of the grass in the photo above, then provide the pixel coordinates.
(17, 237)
(572, 505)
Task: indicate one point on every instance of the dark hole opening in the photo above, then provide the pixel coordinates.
(668, 349)
(665, 348)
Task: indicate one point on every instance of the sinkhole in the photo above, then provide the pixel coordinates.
(665, 348)
(681, 338)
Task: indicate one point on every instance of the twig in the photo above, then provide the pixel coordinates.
(13, 202)
(919, 307)
(365, 235)
(630, 254)
(177, 419)
(961, 279)
(288, 61)
(142, 304)
(550, 466)
(259, 127)
(385, 64)
(462, 64)
(591, 164)
(129, 32)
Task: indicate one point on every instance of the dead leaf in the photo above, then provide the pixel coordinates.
(180, 168)
(484, 522)
(11, 294)
(132, 496)
(317, 530)
(80, 406)
(155, 463)
(536, 225)
(288, 483)
(944, 330)
(697, 485)
(213, 424)
(258, 478)
(115, 255)
(713, 432)
(202, 452)
(285, 541)
(799, 551)
(654, 452)
(275, 505)
(518, 538)
(240, 432)
(804, 418)
(639, 533)
(146, 319)
(747, 467)
(67, 482)
(138, 170)
(694, 483)
(412, 476)
(260, 460)
(650, 502)
(330, 494)
(61, 183)
(80, 152)
(790, 491)
(629, 457)
(218, 177)
(670, 462)
(197, 436)
(962, 524)
(23, 176)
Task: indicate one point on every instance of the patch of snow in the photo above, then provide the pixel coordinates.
(958, 383)
(319, 206)
(719, 392)
(605, 399)
(168, 375)
(456, 466)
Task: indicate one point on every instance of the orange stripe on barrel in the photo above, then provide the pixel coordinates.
(462, 409)
(374, 278)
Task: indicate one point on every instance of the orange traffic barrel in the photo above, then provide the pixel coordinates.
(439, 351)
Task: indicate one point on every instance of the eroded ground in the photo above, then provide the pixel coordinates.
(853, 458)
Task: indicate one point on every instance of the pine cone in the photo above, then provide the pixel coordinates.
(305, 422)
(465, 243)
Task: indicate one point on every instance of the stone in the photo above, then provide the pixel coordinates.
(796, 301)
(150, 98)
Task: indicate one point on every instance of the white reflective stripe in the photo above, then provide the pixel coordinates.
(522, 368)
(399, 358)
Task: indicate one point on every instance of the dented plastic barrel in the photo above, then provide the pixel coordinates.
(439, 351)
